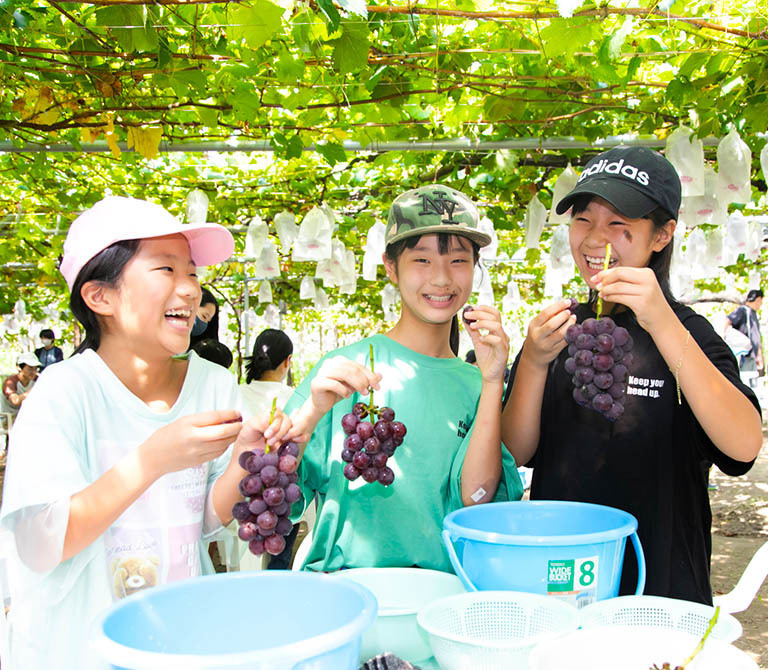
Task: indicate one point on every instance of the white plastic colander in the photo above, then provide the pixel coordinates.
(657, 612)
(493, 630)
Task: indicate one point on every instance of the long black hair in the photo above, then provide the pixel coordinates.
(211, 331)
(394, 251)
(271, 348)
(106, 267)
(660, 260)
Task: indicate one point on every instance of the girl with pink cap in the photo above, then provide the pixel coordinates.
(125, 457)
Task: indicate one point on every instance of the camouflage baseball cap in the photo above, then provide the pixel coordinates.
(433, 209)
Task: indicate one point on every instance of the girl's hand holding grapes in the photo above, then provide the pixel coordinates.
(258, 432)
(637, 289)
(337, 378)
(546, 334)
(492, 345)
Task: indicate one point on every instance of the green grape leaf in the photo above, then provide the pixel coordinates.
(331, 13)
(350, 51)
(255, 23)
(332, 152)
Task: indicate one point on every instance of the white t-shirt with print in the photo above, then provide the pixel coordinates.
(80, 421)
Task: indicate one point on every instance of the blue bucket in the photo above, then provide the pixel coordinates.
(272, 620)
(568, 549)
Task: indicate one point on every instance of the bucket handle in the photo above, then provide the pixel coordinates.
(640, 563)
(457, 566)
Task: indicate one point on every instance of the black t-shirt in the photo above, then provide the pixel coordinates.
(653, 462)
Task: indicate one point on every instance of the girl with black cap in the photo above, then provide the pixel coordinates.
(684, 397)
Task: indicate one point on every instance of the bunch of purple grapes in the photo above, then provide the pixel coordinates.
(599, 359)
(369, 445)
(270, 489)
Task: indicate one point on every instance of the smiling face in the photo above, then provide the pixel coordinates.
(433, 286)
(633, 241)
(155, 302)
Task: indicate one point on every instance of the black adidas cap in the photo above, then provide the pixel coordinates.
(635, 180)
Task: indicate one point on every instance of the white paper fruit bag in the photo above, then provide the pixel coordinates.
(706, 208)
(686, 153)
(714, 256)
(287, 230)
(307, 289)
(255, 237)
(535, 217)
(737, 232)
(374, 248)
(265, 292)
(313, 242)
(489, 251)
(734, 165)
(560, 257)
(511, 299)
(563, 186)
(197, 206)
(268, 263)
(321, 299)
(695, 254)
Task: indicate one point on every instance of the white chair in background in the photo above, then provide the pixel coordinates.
(742, 595)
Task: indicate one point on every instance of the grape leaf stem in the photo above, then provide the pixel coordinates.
(606, 262)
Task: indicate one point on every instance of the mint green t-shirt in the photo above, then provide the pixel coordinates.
(369, 525)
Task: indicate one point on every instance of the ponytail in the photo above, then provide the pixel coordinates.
(271, 348)
(257, 365)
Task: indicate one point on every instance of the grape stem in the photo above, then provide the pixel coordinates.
(700, 646)
(370, 402)
(271, 419)
(606, 262)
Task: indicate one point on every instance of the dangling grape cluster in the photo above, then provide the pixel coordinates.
(370, 444)
(270, 489)
(599, 359)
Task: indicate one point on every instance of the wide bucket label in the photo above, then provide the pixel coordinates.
(573, 580)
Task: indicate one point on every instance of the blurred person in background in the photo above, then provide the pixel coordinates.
(746, 321)
(48, 354)
(266, 371)
(17, 387)
(214, 351)
(206, 326)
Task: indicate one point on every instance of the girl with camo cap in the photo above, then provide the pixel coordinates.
(452, 455)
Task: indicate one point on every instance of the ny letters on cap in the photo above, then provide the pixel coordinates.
(434, 209)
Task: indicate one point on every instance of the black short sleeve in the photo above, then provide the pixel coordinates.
(721, 356)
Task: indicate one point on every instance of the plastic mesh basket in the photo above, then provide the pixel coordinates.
(490, 630)
(656, 612)
(635, 648)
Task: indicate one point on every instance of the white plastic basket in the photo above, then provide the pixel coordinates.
(635, 648)
(657, 612)
(493, 630)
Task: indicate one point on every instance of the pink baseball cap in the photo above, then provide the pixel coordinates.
(116, 218)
